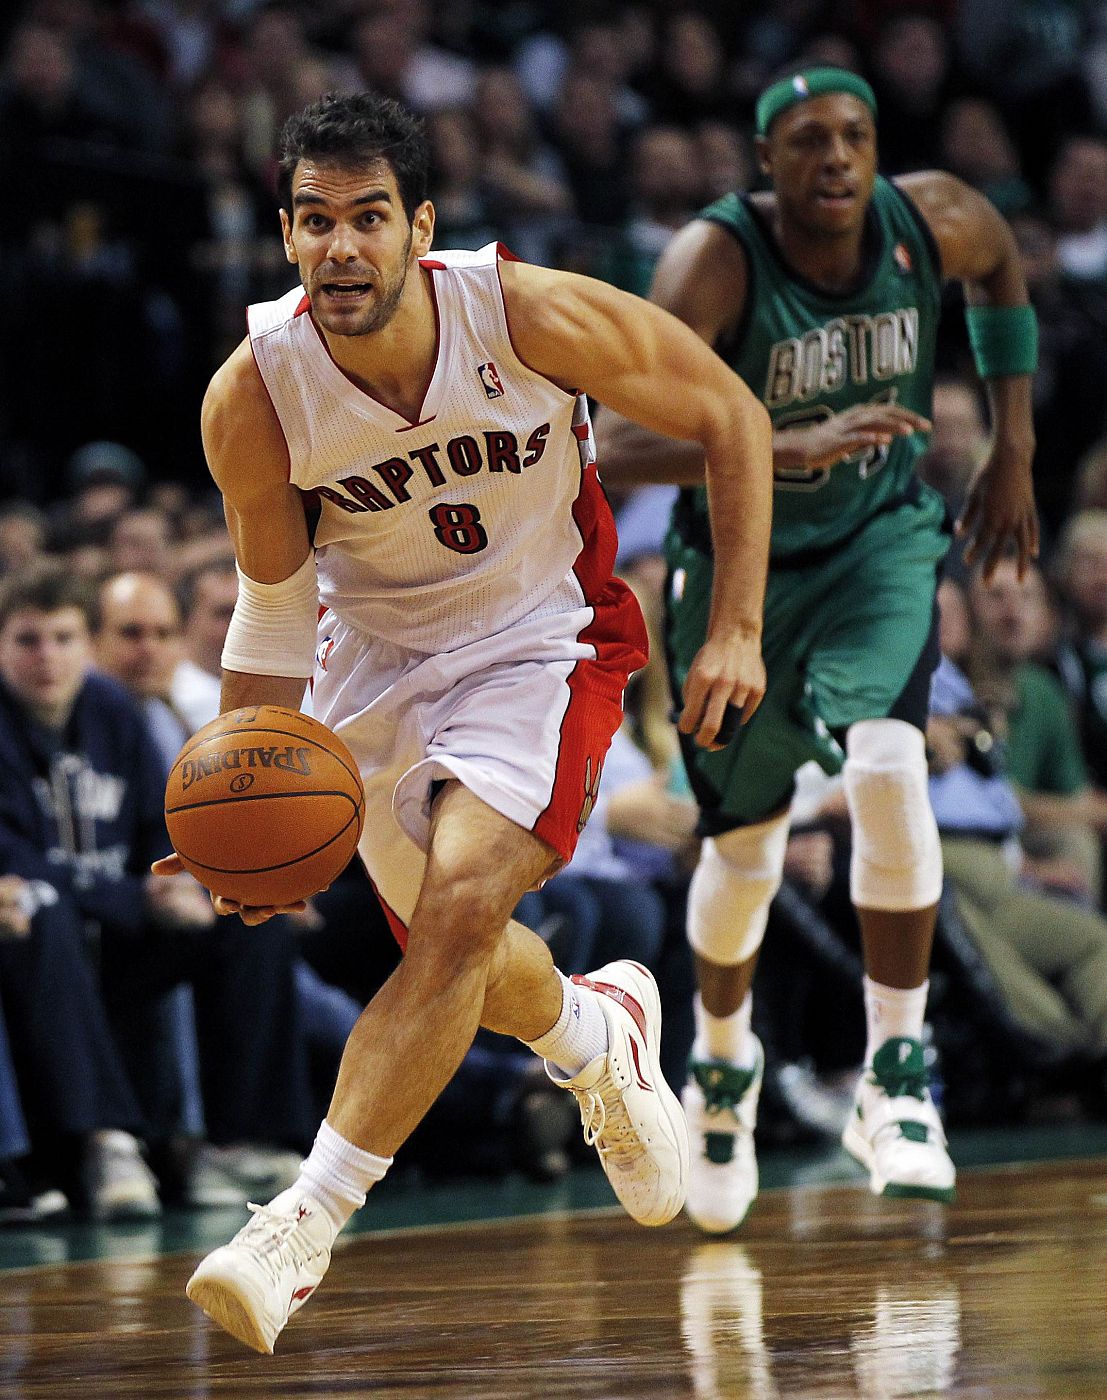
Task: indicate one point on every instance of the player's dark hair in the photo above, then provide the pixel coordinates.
(47, 588)
(354, 130)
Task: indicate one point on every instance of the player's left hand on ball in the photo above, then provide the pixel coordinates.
(249, 914)
(726, 675)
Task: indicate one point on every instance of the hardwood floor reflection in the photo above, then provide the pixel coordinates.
(826, 1293)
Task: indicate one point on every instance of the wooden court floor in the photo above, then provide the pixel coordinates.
(826, 1293)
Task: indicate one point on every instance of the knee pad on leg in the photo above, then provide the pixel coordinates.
(897, 858)
(733, 885)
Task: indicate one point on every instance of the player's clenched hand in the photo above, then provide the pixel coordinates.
(724, 673)
(843, 434)
(249, 914)
(999, 513)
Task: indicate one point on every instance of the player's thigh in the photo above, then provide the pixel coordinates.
(874, 643)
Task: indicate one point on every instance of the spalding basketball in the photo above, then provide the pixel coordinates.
(264, 805)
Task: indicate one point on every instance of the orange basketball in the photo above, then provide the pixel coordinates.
(264, 805)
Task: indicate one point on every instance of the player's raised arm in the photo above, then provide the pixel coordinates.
(977, 247)
(271, 640)
(649, 367)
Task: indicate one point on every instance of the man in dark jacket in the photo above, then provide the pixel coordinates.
(81, 812)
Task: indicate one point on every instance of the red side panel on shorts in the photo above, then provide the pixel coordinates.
(595, 709)
(395, 923)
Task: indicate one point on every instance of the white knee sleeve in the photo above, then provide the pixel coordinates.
(897, 859)
(733, 885)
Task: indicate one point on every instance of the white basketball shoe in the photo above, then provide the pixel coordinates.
(252, 1286)
(894, 1130)
(629, 1113)
(720, 1100)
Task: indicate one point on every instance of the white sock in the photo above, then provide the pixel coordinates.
(892, 1012)
(578, 1035)
(725, 1037)
(338, 1175)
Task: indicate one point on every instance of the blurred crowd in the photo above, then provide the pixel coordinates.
(140, 135)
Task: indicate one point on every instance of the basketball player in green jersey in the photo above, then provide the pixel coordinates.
(823, 294)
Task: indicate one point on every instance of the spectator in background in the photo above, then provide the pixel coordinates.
(957, 448)
(1078, 206)
(395, 57)
(724, 160)
(592, 140)
(523, 176)
(912, 79)
(80, 816)
(39, 98)
(207, 597)
(102, 480)
(141, 539)
(1080, 570)
(689, 83)
(463, 217)
(1070, 408)
(1047, 955)
(1028, 56)
(977, 146)
(20, 1202)
(1013, 628)
(265, 71)
(663, 188)
(138, 644)
(22, 535)
(230, 256)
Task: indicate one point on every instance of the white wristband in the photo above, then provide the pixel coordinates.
(273, 627)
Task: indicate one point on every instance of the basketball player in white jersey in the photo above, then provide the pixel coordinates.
(472, 647)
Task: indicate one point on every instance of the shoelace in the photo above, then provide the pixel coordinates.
(602, 1121)
(276, 1240)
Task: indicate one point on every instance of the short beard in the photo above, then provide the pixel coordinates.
(383, 310)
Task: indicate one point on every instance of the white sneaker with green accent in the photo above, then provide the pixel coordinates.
(894, 1130)
(252, 1286)
(629, 1113)
(720, 1101)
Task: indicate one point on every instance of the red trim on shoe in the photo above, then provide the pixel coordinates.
(624, 998)
(643, 1082)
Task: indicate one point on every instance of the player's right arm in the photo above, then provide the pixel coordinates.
(702, 279)
(248, 460)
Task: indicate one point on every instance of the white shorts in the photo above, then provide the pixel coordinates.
(523, 718)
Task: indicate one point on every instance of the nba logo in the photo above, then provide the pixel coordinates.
(490, 378)
(903, 257)
(322, 655)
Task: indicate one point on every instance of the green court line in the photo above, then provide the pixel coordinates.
(405, 1202)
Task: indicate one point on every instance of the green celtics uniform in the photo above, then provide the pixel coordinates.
(855, 547)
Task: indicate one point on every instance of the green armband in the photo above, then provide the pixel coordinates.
(1004, 339)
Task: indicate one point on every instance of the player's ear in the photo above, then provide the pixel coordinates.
(764, 159)
(422, 229)
(286, 234)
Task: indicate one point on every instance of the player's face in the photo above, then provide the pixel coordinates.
(351, 239)
(821, 158)
(44, 658)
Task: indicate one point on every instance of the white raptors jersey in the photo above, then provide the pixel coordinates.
(435, 533)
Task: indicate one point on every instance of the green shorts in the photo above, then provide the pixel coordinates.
(850, 637)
